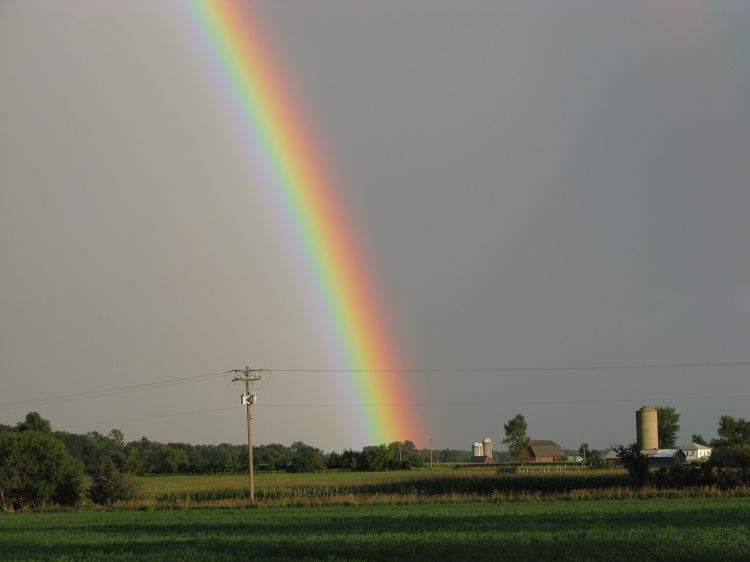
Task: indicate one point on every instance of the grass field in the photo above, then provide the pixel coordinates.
(698, 529)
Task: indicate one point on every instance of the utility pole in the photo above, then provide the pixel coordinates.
(430, 452)
(249, 376)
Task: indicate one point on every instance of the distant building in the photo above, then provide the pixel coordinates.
(612, 457)
(696, 453)
(481, 452)
(647, 428)
(481, 460)
(663, 457)
(544, 451)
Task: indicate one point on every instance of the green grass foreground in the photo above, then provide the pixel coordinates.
(698, 529)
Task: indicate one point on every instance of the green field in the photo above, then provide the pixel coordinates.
(155, 485)
(699, 529)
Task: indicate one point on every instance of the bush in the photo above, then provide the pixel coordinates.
(732, 466)
(635, 462)
(110, 485)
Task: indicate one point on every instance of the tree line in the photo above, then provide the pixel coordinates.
(39, 465)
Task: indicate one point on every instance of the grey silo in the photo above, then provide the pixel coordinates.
(647, 428)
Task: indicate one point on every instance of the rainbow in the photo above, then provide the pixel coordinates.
(286, 165)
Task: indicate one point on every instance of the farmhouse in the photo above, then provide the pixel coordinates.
(696, 452)
(544, 451)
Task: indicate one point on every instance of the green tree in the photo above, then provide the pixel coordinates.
(34, 422)
(405, 455)
(117, 437)
(414, 460)
(353, 460)
(176, 460)
(516, 438)
(378, 457)
(135, 460)
(35, 468)
(733, 432)
(92, 449)
(273, 456)
(595, 459)
(333, 460)
(305, 458)
(697, 438)
(668, 424)
(583, 450)
(237, 461)
(307, 461)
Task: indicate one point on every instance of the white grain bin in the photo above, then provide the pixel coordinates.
(487, 447)
(476, 450)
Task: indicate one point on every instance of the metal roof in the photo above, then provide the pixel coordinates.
(695, 447)
(661, 453)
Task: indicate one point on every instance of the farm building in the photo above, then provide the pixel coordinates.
(612, 457)
(664, 456)
(696, 452)
(482, 452)
(544, 451)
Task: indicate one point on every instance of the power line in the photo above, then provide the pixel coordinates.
(160, 416)
(418, 405)
(504, 402)
(404, 371)
(107, 391)
(519, 369)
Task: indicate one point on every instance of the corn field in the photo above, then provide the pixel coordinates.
(464, 485)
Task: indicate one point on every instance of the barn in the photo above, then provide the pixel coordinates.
(544, 451)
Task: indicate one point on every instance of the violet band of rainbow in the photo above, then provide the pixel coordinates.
(297, 185)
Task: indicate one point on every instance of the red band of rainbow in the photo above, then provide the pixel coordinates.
(295, 181)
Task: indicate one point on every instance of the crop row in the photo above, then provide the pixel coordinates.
(550, 483)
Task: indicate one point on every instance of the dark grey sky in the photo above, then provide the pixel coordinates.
(537, 183)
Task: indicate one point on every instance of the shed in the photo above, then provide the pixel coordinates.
(544, 451)
(664, 456)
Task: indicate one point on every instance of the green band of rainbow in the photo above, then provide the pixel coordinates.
(286, 163)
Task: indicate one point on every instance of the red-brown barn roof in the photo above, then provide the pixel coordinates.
(544, 448)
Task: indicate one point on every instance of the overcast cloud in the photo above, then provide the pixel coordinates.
(537, 184)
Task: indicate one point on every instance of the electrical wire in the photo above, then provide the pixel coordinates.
(414, 405)
(505, 402)
(520, 369)
(108, 391)
(487, 370)
(160, 416)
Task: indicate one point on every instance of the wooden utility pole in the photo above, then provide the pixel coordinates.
(249, 376)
